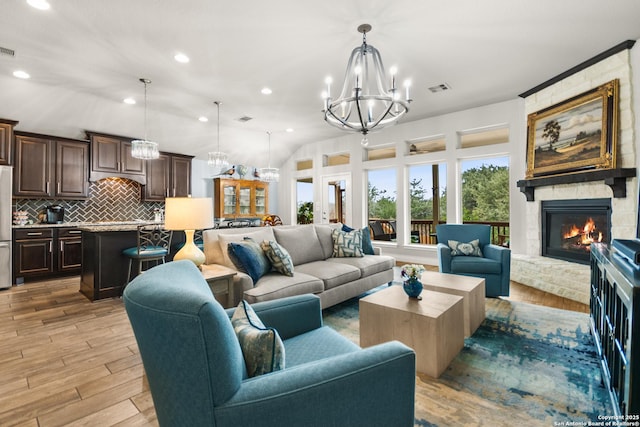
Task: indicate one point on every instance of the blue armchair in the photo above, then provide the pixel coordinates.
(197, 374)
(494, 266)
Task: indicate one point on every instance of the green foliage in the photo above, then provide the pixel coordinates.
(305, 213)
(485, 194)
(381, 206)
(485, 197)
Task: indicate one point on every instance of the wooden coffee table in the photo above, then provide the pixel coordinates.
(433, 326)
(471, 289)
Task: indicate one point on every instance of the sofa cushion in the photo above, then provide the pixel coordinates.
(279, 257)
(316, 345)
(274, 285)
(262, 347)
(347, 244)
(471, 248)
(368, 264)
(262, 233)
(249, 257)
(475, 265)
(331, 274)
(326, 239)
(301, 242)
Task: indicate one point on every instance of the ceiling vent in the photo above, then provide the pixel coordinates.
(244, 119)
(5, 51)
(440, 88)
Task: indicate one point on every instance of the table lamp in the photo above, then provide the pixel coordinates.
(189, 214)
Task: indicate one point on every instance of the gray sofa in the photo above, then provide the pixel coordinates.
(315, 270)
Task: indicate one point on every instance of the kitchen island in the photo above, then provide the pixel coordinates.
(104, 268)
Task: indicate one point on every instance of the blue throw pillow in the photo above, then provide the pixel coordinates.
(262, 347)
(249, 257)
(367, 247)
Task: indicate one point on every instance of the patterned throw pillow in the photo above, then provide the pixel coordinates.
(262, 347)
(466, 249)
(367, 247)
(249, 257)
(279, 257)
(347, 244)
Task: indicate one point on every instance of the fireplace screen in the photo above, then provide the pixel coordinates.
(570, 226)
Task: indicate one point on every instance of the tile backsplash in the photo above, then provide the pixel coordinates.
(111, 199)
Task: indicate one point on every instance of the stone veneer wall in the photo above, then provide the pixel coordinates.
(110, 199)
(567, 279)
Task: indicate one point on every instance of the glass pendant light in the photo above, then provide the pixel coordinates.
(143, 148)
(218, 160)
(269, 174)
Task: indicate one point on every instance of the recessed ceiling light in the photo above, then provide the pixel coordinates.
(21, 74)
(266, 91)
(181, 57)
(203, 119)
(129, 101)
(289, 130)
(39, 4)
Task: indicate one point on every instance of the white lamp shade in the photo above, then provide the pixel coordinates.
(188, 213)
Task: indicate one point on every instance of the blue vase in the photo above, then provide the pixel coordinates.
(413, 287)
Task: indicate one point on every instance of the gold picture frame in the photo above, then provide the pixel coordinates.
(574, 135)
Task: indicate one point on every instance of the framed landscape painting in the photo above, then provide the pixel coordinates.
(577, 134)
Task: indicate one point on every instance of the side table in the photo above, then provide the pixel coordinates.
(220, 280)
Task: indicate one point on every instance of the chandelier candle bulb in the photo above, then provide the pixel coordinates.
(407, 85)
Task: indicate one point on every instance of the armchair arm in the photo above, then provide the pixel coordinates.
(498, 253)
(371, 387)
(444, 258)
(290, 316)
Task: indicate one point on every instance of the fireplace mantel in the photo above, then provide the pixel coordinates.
(614, 178)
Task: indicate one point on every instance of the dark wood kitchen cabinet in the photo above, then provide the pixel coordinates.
(168, 176)
(42, 252)
(32, 252)
(50, 167)
(6, 141)
(69, 250)
(111, 157)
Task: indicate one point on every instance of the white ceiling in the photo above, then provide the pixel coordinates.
(86, 56)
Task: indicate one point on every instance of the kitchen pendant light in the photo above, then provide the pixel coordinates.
(269, 174)
(218, 160)
(143, 148)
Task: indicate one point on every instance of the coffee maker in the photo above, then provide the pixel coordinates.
(53, 214)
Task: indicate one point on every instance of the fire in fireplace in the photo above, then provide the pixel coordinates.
(570, 226)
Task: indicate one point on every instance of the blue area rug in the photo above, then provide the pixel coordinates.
(526, 364)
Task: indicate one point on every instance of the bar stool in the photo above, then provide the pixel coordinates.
(153, 246)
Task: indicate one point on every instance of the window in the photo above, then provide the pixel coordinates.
(382, 203)
(302, 165)
(380, 153)
(428, 203)
(485, 195)
(429, 144)
(304, 202)
(336, 159)
(486, 136)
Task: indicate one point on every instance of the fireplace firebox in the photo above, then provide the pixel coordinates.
(570, 226)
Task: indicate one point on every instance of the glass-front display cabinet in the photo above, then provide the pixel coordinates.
(240, 198)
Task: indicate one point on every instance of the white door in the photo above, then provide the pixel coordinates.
(337, 205)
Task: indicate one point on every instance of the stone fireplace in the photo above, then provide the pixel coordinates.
(530, 263)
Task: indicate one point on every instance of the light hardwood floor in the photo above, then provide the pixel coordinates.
(67, 361)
